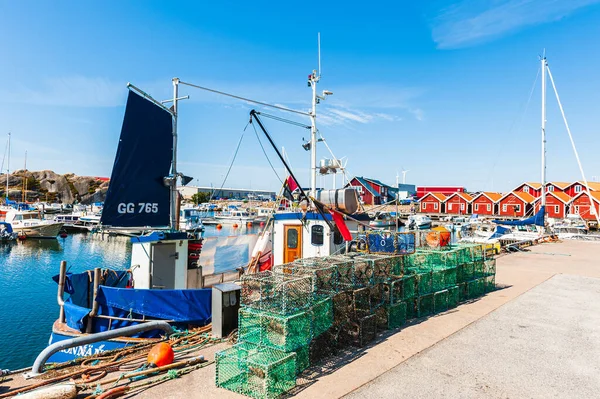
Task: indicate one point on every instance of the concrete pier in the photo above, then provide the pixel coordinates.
(537, 336)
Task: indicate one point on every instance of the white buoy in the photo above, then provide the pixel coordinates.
(61, 391)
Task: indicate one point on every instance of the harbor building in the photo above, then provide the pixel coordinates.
(485, 203)
(371, 191)
(458, 203)
(228, 193)
(432, 203)
(557, 204)
(581, 205)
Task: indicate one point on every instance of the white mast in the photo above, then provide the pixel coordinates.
(544, 66)
(313, 79)
(174, 199)
(8, 167)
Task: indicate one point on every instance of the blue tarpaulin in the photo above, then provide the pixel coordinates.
(537, 220)
(137, 195)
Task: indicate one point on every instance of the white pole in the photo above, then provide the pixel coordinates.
(313, 136)
(544, 65)
(174, 198)
(8, 168)
(587, 187)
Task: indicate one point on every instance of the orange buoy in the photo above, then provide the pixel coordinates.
(219, 227)
(249, 224)
(22, 237)
(161, 354)
(235, 225)
(438, 237)
(63, 235)
(262, 224)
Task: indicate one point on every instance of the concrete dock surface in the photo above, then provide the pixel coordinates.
(537, 336)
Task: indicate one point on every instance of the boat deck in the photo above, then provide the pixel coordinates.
(536, 336)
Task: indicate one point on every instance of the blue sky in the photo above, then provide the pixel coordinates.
(439, 89)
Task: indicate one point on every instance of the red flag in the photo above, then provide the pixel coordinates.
(341, 225)
(291, 183)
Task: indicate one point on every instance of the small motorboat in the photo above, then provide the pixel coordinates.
(383, 219)
(419, 222)
(6, 232)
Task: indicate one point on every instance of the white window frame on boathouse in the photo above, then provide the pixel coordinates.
(578, 188)
(489, 207)
(462, 206)
(526, 189)
(504, 208)
(476, 207)
(435, 206)
(556, 209)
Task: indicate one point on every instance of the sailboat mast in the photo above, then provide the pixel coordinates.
(544, 66)
(8, 168)
(174, 199)
(314, 78)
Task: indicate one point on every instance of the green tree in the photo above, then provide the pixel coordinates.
(199, 198)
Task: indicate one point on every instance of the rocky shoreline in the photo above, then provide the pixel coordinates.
(49, 186)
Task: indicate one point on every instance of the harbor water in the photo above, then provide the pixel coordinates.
(28, 304)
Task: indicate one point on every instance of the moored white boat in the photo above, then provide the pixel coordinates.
(30, 224)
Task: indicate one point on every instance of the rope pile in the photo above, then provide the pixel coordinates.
(92, 373)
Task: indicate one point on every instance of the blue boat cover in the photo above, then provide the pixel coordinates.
(537, 220)
(181, 306)
(7, 227)
(137, 195)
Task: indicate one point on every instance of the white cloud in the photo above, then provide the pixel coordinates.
(469, 22)
(73, 91)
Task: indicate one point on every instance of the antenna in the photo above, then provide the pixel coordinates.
(319, 50)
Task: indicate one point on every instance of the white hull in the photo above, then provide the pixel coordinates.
(45, 230)
(230, 220)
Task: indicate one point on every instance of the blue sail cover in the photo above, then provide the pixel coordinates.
(537, 219)
(137, 196)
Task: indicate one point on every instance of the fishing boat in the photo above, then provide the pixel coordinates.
(30, 224)
(68, 220)
(419, 222)
(383, 219)
(234, 216)
(190, 220)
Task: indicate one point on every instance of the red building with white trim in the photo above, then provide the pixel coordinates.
(458, 203)
(432, 203)
(516, 204)
(557, 204)
(533, 189)
(485, 203)
(580, 205)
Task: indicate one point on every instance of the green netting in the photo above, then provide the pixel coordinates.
(397, 315)
(425, 305)
(255, 371)
(302, 358)
(476, 251)
(453, 297)
(323, 346)
(363, 272)
(479, 269)
(393, 291)
(361, 303)
(476, 288)
(464, 272)
(463, 292)
(450, 277)
(412, 306)
(490, 283)
(277, 292)
(378, 296)
(324, 276)
(409, 284)
(360, 332)
(440, 301)
(424, 281)
(345, 270)
(489, 267)
(438, 281)
(281, 332)
(321, 316)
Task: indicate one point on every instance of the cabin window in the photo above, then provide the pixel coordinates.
(476, 207)
(435, 206)
(556, 209)
(337, 238)
(489, 207)
(359, 189)
(504, 208)
(316, 235)
(292, 238)
(526, 189)
(578, 188)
